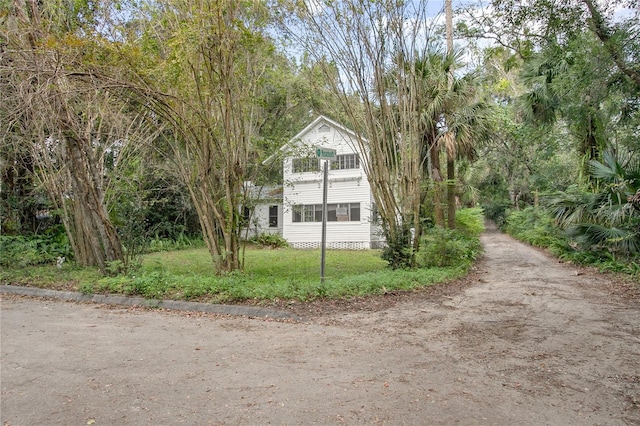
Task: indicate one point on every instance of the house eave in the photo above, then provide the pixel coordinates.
(321, 118)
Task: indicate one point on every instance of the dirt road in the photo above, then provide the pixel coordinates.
(529, 341)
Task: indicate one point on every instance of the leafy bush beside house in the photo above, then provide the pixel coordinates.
(458, 247)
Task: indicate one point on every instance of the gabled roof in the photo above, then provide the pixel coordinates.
(314, 123)
(307, 129)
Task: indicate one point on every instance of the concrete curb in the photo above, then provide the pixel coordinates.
(248, 311)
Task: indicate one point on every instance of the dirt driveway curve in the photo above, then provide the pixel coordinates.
(529, 341)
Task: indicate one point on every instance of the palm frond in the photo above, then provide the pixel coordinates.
(569, 208)
(609, 216)
(609, 170)
(621, 240)
(615, 214)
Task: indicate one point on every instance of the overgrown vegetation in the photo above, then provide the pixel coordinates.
(280, 273)
(597, 223)
(536, 226)
(460, 247)
(604, 216)
(25, 250)
(270, 274)
(543, 134)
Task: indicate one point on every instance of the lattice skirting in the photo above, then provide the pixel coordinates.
(377, 245)
(333, 245)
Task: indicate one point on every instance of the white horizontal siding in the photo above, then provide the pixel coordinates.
(311, 232)
(340, 192)
(305, 146)
(345, 186)
(260, 220)
(337, 192)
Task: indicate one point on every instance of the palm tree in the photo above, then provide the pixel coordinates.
(451, 162)
(571, 85)
(453, 119)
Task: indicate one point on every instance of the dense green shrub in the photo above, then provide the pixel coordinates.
(181, 242)
(534, 226)
(605, 215)
(442, 247)
(470, 221)
(20, 251)
(397, 252)
(496, 211)
(270, 240)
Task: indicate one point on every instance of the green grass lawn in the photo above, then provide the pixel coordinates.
(271, 274)
(268, 274)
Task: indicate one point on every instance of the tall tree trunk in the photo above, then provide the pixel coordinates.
(211, 97)
(96, 238)
(438, 187)
(450, 145)
(599, 27)
(64, 116)
(451, 191)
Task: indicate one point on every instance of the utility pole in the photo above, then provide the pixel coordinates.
(326, 155)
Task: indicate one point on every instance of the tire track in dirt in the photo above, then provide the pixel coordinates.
(531, 332)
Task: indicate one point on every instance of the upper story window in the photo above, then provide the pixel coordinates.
(307, 164)
(346, 161)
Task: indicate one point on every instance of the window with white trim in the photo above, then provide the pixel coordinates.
(273, 216)
(342, 212)
(346, 161)
(306, 164)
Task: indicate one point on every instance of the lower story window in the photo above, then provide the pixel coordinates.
(273, 216)
(343, 212)
(246, 215)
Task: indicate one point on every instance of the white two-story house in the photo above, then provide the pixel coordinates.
(349, 201)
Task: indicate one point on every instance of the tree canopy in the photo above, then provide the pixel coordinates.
(111, 107)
